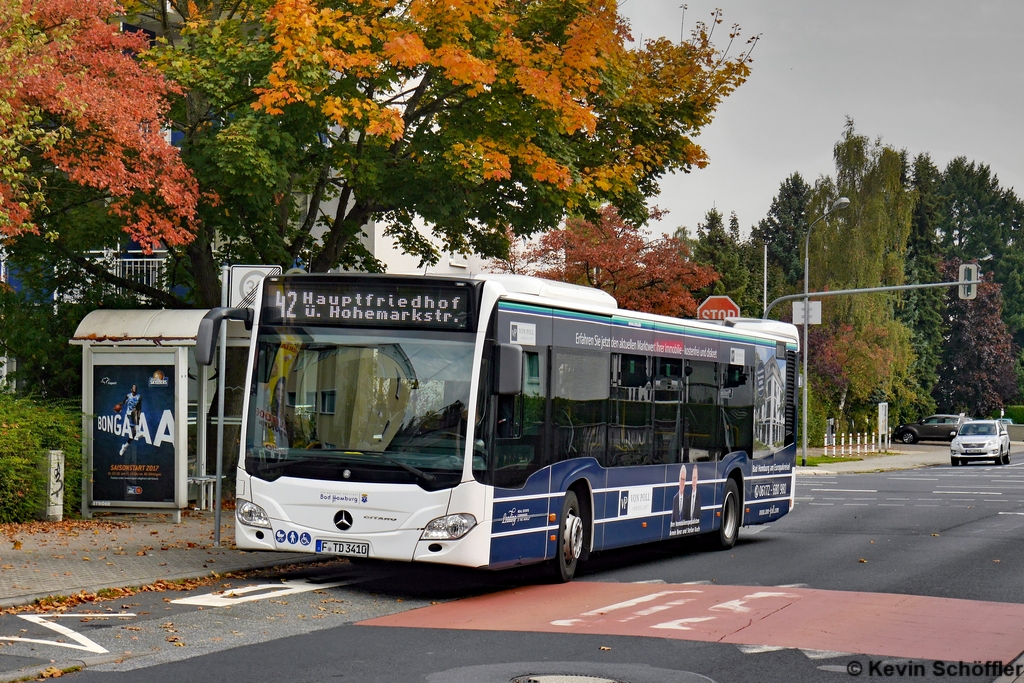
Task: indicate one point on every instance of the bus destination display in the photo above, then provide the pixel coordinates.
(363, 303)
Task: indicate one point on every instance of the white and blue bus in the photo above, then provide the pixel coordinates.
(501, 420)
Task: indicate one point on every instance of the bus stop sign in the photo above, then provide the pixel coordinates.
(718, 308)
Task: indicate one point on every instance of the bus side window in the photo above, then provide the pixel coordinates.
(737, 410)
(630, 434)
(700, 419)
(668, 409)
(519, 427)
(579, 403)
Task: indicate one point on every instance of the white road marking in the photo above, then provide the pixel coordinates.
(758, 649)
(250, 593)
(968, 493)
(891, 505)
(848, 490)
(824, 654)
(83, 643)
(1009, 513)
(678, 623)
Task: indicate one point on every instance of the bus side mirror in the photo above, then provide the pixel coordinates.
(952, 435)
(510, 369)
(209, 328)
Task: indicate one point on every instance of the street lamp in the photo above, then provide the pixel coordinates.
(837, 205)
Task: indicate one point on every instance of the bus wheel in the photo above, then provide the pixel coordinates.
(570, 540)
(725, 537)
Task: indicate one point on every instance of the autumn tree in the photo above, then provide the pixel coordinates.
(641, 272)
(84, 166)
(977, 374)
(471, 116)
(73, 134)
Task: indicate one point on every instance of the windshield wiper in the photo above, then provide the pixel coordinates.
(425, 476)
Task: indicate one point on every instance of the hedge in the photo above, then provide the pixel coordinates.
(1015, 413)
(28, 429)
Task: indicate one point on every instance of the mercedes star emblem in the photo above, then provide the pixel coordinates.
(343, 520)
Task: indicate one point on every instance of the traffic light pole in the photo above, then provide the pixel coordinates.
(968, 291)
(866, 290)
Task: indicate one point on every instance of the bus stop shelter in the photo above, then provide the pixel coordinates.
(146, 410)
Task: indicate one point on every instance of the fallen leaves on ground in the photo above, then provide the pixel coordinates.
(66, 526)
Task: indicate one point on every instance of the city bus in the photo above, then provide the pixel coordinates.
(501, 420)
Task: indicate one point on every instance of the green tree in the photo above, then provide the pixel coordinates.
(922, 310)
(783, 230)
(722, 247)
(865, 246)
(980, 220)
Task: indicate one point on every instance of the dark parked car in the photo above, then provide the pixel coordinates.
(931, 428)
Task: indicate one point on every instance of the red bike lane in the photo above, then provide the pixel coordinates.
(882, 624)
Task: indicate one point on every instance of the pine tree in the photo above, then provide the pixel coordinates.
(922, 310)
(980, 220)
(783, 230)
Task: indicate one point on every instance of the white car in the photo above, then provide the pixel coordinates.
(980, 440)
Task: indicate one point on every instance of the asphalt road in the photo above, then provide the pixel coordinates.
(941, 533)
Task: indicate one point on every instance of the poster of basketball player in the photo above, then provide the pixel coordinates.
(133, 433)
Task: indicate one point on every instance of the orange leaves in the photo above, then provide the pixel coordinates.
(462, 68)
(481, 160)
(74, 78)
(361, 113)
(406, 49)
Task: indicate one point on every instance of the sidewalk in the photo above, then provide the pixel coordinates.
(922, 455)
(40, 559)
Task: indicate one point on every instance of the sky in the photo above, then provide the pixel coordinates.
(935, 76)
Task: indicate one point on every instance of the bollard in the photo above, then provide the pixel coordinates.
(52, 509)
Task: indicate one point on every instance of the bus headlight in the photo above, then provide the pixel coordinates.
(252, 514)
(448, 528)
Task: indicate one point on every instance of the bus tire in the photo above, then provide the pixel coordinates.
(570, 540)
(725, 537)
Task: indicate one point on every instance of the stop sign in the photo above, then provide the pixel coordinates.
(718, 308)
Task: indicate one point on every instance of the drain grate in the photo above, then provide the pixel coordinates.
(563, 678)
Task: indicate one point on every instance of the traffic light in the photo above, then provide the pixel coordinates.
(970, 275)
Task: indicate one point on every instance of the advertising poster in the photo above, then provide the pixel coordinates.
(686, 502)
(133, 433)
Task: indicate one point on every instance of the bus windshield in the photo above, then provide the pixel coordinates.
(388, 407)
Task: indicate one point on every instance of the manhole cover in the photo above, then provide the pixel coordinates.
(562, 678)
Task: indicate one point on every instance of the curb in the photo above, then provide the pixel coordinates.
(813, 471)
(33, 671)
(28, 599)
